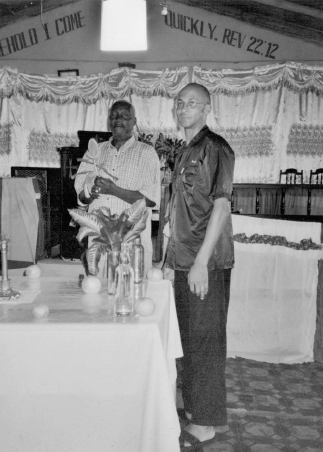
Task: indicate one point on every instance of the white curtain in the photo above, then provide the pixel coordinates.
(271, 115)
(40, 113)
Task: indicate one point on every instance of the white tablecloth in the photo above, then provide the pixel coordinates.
(272, 312)
(80, 382)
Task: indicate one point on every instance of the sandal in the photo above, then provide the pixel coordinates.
(195, 444)
(182, 415)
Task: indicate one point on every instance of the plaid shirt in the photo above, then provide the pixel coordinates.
(136, 165)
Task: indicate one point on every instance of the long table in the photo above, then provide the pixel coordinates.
(77, 380)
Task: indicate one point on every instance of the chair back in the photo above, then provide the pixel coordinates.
(316, 177)
(292, 176)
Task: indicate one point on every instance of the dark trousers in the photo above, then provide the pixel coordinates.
(202, 325)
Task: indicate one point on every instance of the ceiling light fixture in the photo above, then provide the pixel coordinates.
(123, 25)
(164, 11)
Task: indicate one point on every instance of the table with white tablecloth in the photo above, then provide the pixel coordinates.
(79, 381)
(273, 305)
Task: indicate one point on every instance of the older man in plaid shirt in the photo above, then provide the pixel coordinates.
(135, 169)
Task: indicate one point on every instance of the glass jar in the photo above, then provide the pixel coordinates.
(138, 261)
(112, 264)
(124, 285)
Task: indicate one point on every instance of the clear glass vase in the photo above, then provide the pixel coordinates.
(112, 264)
(124, 285)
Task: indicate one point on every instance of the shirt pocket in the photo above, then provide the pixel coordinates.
(131, 177)
(191, 176)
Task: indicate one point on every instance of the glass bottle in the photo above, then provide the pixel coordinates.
(138, 269)
(124, 281)
(113, 262)
(138, 262)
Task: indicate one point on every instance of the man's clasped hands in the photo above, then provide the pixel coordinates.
(102, 186)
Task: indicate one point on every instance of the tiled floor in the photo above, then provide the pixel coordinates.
(271, 408)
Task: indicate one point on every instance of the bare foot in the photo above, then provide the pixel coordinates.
(202, 432)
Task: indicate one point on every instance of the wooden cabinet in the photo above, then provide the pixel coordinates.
(302, 202)
(69, 246)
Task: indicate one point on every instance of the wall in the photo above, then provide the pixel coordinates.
(187, 36)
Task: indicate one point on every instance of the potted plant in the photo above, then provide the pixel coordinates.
(167, 149)
(108, 231)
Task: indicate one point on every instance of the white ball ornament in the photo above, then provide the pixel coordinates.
(33, 271)
(41, 311)
(91, 284)
(155, 274)
(145, 307)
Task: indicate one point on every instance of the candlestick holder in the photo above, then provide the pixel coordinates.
(5, 290)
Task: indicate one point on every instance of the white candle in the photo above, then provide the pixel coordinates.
(4, 260)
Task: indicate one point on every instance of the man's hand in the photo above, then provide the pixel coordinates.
(95, 193)
(168, 273)
(104, 186)
(198, 279)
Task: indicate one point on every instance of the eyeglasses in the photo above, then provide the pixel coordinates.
(179, 105)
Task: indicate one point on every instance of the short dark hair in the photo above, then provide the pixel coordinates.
(123, 103)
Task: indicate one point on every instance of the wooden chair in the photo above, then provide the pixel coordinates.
(292, 176)
(317, 176)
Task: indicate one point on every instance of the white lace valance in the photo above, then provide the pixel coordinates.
(296, 76)
(249, 142)
(305, 140)
(118, 83)
(5, 138)
(43, 146)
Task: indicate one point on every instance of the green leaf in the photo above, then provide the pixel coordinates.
(111, 239)
(112, 224)
(85, 232)
(136, 211)
(137, 229)
(106, 211)
(89, 220)
(91, 257)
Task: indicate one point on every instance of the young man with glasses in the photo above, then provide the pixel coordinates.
(200, 250)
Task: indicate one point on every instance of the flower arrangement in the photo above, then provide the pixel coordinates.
(166, 148)
(146, 138)
(108, 231)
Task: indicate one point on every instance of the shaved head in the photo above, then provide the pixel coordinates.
(199, 89)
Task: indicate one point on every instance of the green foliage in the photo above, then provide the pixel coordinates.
(146, 138)
(108, 231)
(167, 148)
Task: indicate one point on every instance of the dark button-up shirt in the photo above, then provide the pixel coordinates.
(202, 174)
